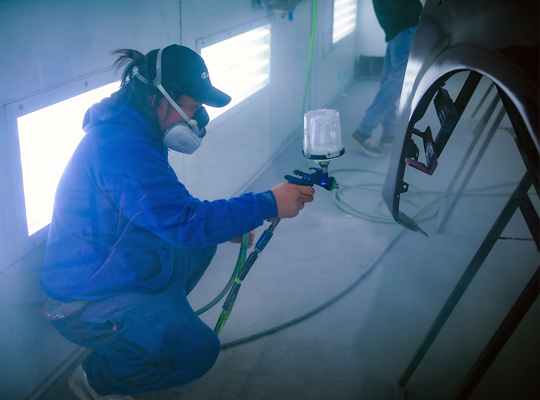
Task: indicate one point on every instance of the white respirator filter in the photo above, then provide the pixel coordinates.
(182, 138)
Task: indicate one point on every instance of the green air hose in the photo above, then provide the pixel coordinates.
(381, 217)
(233, 293)
(312, 41)
(239, 264)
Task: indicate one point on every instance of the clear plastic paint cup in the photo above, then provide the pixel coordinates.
(322, 135)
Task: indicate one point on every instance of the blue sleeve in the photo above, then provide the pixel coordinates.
(150, 196)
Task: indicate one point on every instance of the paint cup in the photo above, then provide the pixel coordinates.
(322, 135)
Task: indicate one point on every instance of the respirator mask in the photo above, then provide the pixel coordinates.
(184, 137)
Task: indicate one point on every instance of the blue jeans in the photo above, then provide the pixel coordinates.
(146, 341)
(383, 109)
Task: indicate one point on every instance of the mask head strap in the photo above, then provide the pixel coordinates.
(157, 83)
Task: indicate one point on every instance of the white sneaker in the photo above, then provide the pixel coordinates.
(367, 145)
(80, 386)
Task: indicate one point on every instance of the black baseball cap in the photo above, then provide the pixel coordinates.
(183, 68)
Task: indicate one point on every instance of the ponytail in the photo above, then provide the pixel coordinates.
(133, 91)
(133, 59)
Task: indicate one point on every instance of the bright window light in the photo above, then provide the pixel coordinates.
(47, 139)
(239, 66)
(344, 19)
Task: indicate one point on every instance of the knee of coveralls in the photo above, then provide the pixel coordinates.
(189, 344)
(170, 337)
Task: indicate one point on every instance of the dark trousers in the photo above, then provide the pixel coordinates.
(144, 342)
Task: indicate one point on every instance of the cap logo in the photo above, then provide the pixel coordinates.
(204, 75)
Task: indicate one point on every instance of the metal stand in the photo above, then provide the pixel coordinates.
(501, 336)
(449, 200)
(519, 199)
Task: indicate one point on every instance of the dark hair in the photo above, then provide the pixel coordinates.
(133, 91)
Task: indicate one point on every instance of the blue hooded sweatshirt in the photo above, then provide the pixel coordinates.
(119, 210)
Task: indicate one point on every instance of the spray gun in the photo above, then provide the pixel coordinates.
(322, 143)
(318, 177)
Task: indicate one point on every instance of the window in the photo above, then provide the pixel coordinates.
(344, 19)
(47, 139)
(238, 65)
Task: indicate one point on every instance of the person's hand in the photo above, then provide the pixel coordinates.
(290, 198)
(250, 239)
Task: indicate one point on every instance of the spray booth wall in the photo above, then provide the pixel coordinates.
(57, 49)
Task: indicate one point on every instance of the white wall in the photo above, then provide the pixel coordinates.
(54, 49)
(370, 34)
(333, 67)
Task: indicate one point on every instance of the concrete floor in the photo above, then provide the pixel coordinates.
(359, 346)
